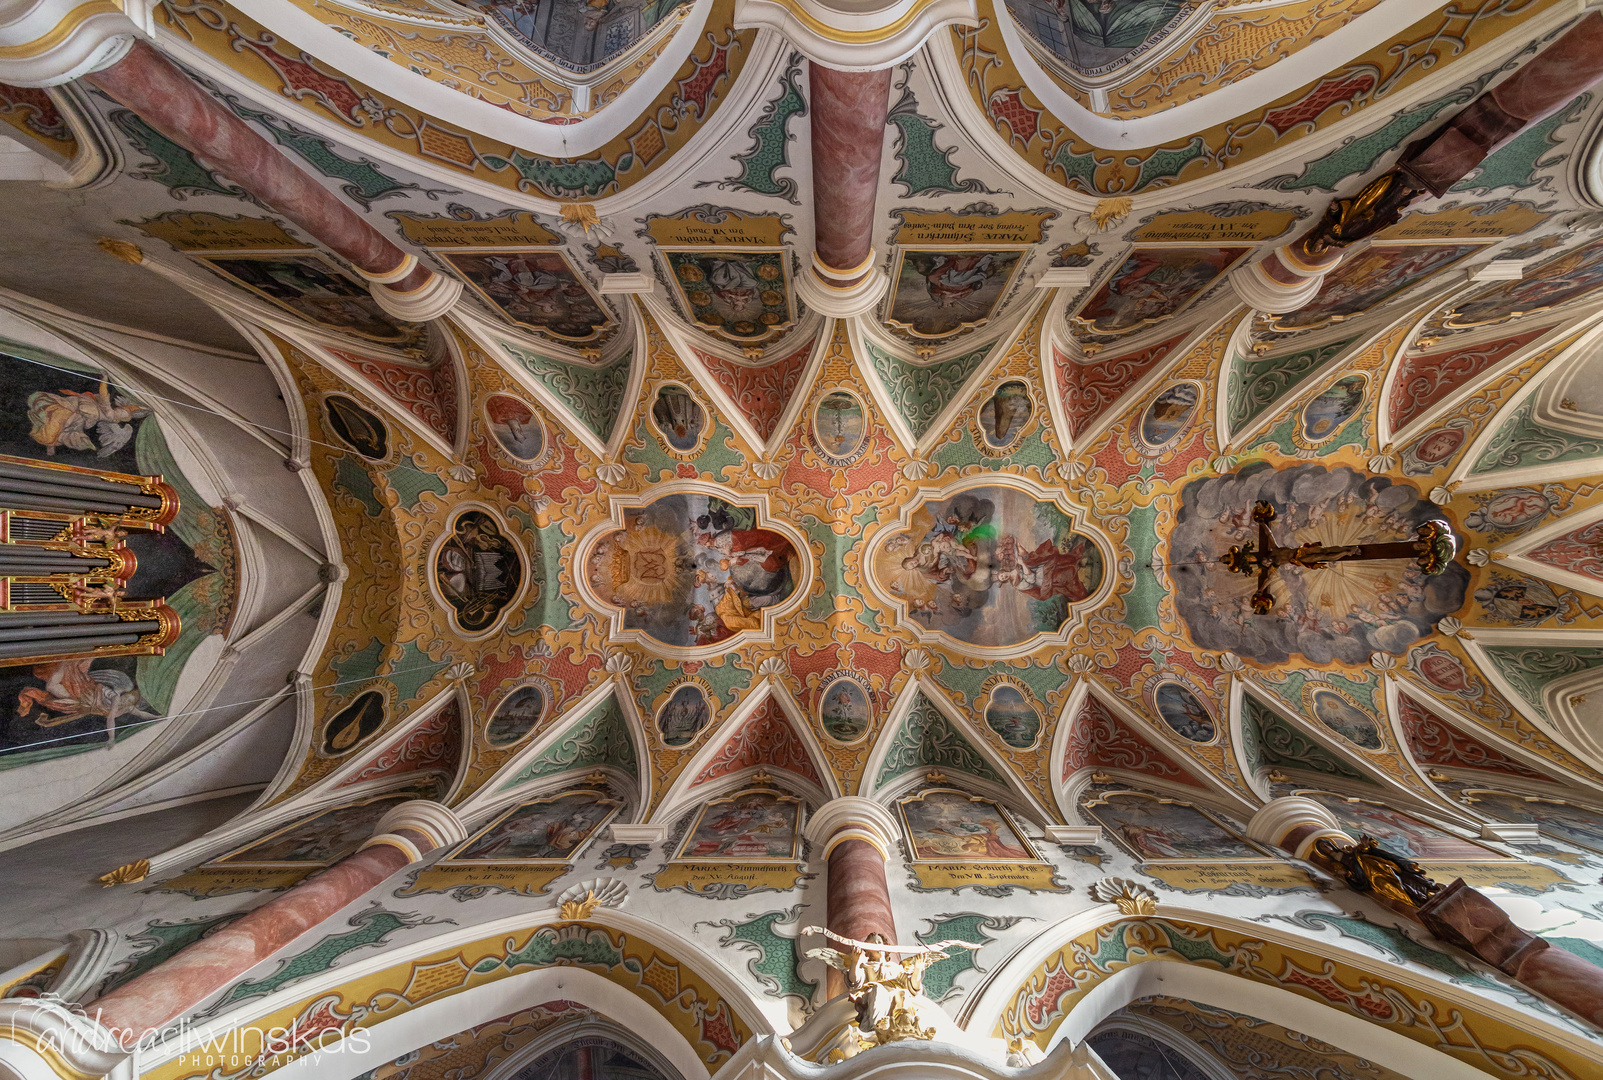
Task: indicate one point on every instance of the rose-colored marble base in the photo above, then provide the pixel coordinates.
(172, 103)
(859, 898)
(848, 111)
(178, 984)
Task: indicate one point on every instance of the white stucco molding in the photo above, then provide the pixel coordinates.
(852, 817)
(855, 36)
(42, 1039)
(50, 42)
(1279, 817)
(841, 302)
(432, 819)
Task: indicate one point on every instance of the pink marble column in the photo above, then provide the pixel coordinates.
(168, 100)
(859, 898)
(848, 111)
(1555, 76)
(174, 987)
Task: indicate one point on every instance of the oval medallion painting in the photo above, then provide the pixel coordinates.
(683, 715)
(348, 727)
(515, 427)
(679, 420)
(992, 566)
(1005, 415)
(844, 709)
(1344, 718)
(691, 569)
(516, 716)
(358, 427)
(1182, 711)
(1324, 415)
(1169, 415)
(838, 425)
(1011, 717)
(478, 571)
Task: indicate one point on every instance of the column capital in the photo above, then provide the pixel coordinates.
(852, 817)
(856, 37)
(841, 302)
(1282, 281)
(50, 42)
(418, 827)
(426, 303)
(1293, 823)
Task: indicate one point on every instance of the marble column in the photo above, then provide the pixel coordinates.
(1457, 914)
(856, 837)
(848, 111)
(177, 985)
(150, 85)
(1552, 78)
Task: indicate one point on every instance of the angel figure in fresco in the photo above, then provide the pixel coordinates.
(951, 279)
(67, 417)
(72, 692)
(885, 983)
(1046, 572)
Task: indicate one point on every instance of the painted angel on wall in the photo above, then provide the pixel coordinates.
(67, 418)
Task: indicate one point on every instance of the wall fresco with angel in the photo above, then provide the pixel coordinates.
(1344, 612)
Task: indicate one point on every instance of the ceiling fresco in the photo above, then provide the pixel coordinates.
(663, 534)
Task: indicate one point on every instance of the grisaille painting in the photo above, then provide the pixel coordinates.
(478, 570)
(549, 829)
(1344, 613)
(838, 424)
(949, 825)
(691, 569)
(991, 566)
(751, 825)
(940, 292)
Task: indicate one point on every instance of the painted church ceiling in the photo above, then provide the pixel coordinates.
(635, 504)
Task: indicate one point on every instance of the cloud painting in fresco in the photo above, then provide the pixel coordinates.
(1324, 615)
(693, 570)
(992, 566)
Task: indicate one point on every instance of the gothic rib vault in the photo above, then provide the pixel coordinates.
(651, 479)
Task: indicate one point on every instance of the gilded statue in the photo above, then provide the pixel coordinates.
(1347, 221)
(1369, 868)
(884, 983)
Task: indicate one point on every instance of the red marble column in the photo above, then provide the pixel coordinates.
(848, 111)
(164, 97)
(176, 985)
(859, 898)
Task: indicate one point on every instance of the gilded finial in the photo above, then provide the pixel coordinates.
(121, 249)
(582, 214)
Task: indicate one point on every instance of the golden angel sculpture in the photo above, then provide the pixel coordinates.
(885, 983)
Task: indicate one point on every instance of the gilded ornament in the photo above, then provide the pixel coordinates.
(1130, 897)
(127, 874)
(121, 249)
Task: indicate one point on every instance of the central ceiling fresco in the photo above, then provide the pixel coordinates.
(761, 454)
